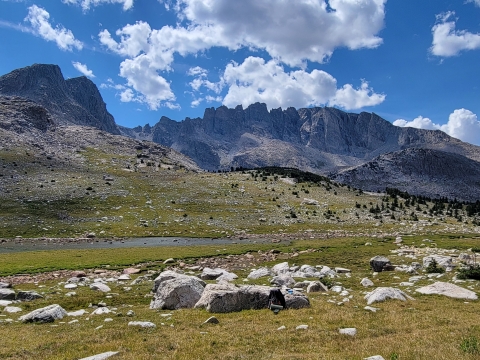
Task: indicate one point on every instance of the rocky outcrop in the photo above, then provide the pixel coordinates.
(434, 173)
(449, 290)
(75, 101)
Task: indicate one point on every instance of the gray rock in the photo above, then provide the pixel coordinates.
(169, 261)
(130, 313)
(348, 331)
(167, 275)
(12, 309)
(211, 274)
(282, 268)
(45, 315)
(442, 261)
(385, 293)
(258, 273)
(100, 287)
(7, 294)
(211, 320)
(301, 327)
(28, 295)
(380, 263)
(77, 313)
(374, 357)
(5, 302)
(282, 280)
(4, 285)
(142, 324)
(101, 356)
(371, 308)
(296, 301)
(124, 277)
(340, 270)
(227, 276)
(366, 282)
(316, 286)
(180, 292)
(449, 290)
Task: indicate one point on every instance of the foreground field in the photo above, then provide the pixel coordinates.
(425, 328)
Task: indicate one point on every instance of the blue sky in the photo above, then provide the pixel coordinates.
(415, 63)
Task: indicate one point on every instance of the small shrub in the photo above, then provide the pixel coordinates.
(327, 281)
(433, 268)
(470, 345)
(472, 272)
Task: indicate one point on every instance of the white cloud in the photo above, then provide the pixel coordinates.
(258, 81)
(310, 30)
(83, 69)
(462, 124)
(143, 77)
(450, 42)
(86, 4)
(38, 18)
(476, 2)
(349, 98)
(127, 95)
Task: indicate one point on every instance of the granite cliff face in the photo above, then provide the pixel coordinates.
(74, 101)
(428, 172)
(320, 140)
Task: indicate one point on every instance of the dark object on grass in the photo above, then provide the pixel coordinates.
(276, 301)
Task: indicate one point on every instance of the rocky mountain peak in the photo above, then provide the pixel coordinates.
(75, 101)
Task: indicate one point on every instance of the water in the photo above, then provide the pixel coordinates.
(19, 245)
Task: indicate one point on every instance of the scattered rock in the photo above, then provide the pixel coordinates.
(366, 282)
(142, 324)
(282, 280)
(124, 277)
(79, 274)
(348, 331)
(44, 315)
(212, 320)
(182, 291)
(448, 289)
(283, 327)
(374, 357)
(301, 327)
(211, 274)
(100, 287)
(385, 293)
(101, 356)
(131, 271)
(7, 294)
(281, 268)
(77, 313)
(70, 286)
(442, 261)
(371, 308)
(340, 270)
(316, 286)
(28, 295)
(130, 313)
(12, 309)
(256, 274)
(5, 302)
(169, 261)
(380, 263)
(101, 311)
(4, 285)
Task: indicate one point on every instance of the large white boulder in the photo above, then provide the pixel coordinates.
(381, 294)
(447, 289)
(44, 315)
(442, 261)
(180, 292)
(258, 273)
(281, 268)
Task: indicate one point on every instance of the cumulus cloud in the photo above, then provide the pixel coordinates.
(38, 19)
(450, 42)
(308, 31)
(476, 2)
(83, 69)
(462, 124)
(143, 77)
(258, 81)
(86, 4)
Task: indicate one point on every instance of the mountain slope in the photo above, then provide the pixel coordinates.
(75, 101)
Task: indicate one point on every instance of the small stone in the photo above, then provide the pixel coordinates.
(73, 321)
(212, 320)
(374, 357)
(101, 311)
(124, 277)
(142, 324)
(100, 287)
(301, 327)
(12, 309)
(77, 313)
(101, 356)
(131, 271)
(130, 313)
(371, 308)
(340, 270)
(7, 294)
(283, 327)
(366, 282)
(5, 302)
(169, 261)
(70, 286)
(348, 331)
(79, 274)
(108, 320)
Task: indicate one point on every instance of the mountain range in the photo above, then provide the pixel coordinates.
(362, 150)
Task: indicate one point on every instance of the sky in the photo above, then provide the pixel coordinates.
(413, 62)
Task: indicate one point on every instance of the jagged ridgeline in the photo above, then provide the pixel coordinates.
(361, 150)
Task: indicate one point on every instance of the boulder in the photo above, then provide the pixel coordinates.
(374, 357)
(385, 293)
(224, 298)
(380, 263)
(211, 274)
(131, 271)
(442, 261)
(283, 280)
(340, 270)
(167, 275)
(5, 302)
(100, 287)
(316, 286)
(142, 324)
(180, 292)
(45, 315)
(79, 274)
(447, 289)
(281, 268)
(4, 285)
(227, 276)
(12, 309)
(28, 295)
(258, 273)
(366, 282)
(7, 294)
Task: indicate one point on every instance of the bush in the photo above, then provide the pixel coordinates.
(470, 345)
(433, 268)
(472, 272)
(327, 281)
